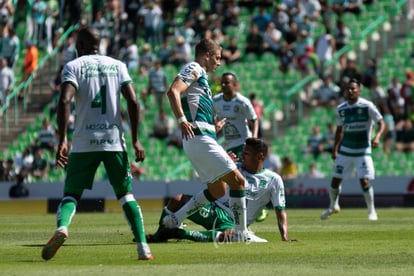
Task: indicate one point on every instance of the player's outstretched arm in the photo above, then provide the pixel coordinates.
(282, 223)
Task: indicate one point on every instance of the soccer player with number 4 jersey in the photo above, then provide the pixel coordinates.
(96, 82)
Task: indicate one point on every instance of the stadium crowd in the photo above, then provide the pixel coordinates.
(149, 35)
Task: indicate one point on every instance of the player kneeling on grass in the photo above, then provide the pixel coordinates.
(262, 186)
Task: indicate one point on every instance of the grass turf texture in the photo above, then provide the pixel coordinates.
(345, 244)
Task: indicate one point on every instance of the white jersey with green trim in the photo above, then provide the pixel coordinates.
(237, 112)
(262, 187)
(98, 81)
(357, 121)
(197, 100)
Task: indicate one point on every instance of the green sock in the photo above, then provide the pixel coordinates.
(163, 214)
(133, 215)
(198, 236)
(66, 211)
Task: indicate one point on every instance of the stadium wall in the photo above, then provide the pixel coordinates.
(300, 193)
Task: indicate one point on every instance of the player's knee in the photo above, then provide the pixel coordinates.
(176, 202)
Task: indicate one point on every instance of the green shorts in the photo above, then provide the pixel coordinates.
(82, 166)
(216, 219)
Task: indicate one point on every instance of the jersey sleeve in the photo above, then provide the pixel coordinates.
(375, 114)
(278, 193)
(190, 73)
(124, 77)
(69, 75)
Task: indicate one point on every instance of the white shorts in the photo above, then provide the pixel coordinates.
(344, 167)
(208, 158)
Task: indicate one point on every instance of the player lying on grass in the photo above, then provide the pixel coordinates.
(262, 186)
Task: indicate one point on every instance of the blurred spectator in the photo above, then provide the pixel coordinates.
(231, 53)
(286, 58)
(370, 74)
(395, 86)
(70, 13)
(150, 15)
(46, 137)
(272, 39)
(350, 71)
(181, 53)
(163, 125)
(19, 189)
(230, 14)
(313, 172)
(329, 138)
(186, 31)
(342, 35)
(102, 25)
(308, 63)
(2, 170)
(291, 34)
(40, 165)
(315, 143)
(52, 14)
(289, 170)
(164, 52)
(261, 19)
(407, 91)
(6, 80)
(395, 102)
(254, 42)
(7, 12)
(146, 60)
(24, 160)
(312, 9)
(68, 50)
(341, 6)
(30, 63)
(377, 93)
(39, 10)
(9, 47)
(125, 30)
(405, 137)
(280, 18)
(301, 45)
(129, 55)
(327, 94)
(325, 48)
(272, 161)
(9, 170)
(389, 135)
(157, 85)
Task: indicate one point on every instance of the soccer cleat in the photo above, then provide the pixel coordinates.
(145, 258)
(247, 237)
(53, 245)
(170, 221)
(372, 216)
(329, 212)
(263, 215)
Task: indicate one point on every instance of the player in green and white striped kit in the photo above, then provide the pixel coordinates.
(263, 185)
(352, 148)
(191, 101)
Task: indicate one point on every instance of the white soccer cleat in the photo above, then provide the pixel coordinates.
(329, 212)
(170, 221)
(372, 216)
(247, 237)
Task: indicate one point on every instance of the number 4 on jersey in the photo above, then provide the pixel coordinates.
(100, 100)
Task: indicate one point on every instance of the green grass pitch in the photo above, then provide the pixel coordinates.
(101, 244)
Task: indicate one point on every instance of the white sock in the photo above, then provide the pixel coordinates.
(238, 207)
(333, 197)
(192, 206)
(369, 199)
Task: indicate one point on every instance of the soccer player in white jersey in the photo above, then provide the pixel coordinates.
(191, 101)
(96, 82)
(355, 120)
(236, 115)
(263, 185)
